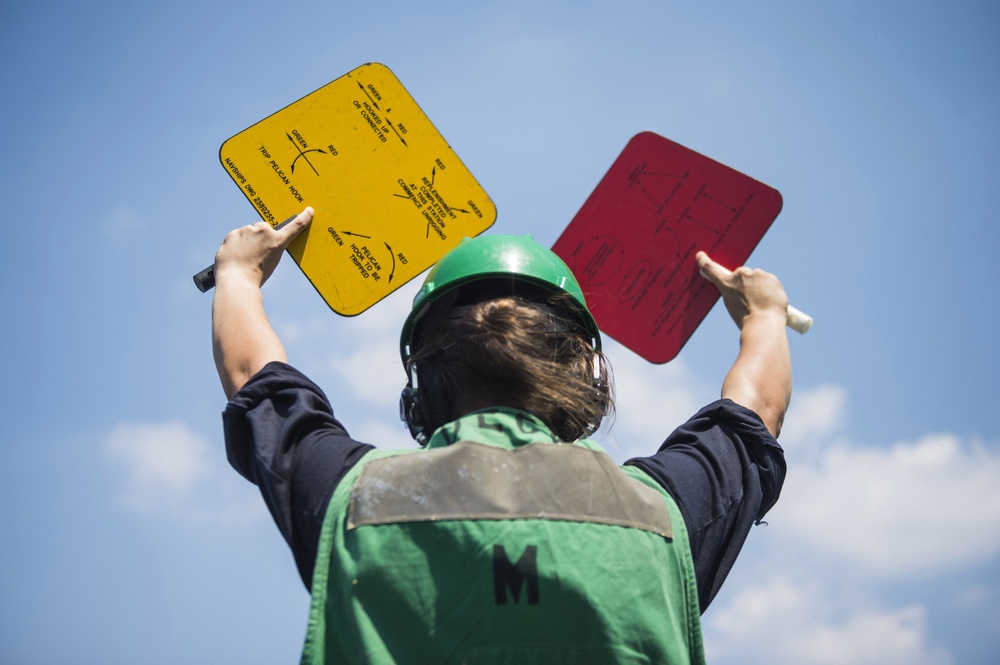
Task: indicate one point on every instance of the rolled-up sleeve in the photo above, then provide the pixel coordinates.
(281, 435)
(725, 471)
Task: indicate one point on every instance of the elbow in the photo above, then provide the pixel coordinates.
(774, 418)
(769, 403)
(771, 412)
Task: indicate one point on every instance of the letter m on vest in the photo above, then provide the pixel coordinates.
(512, 576)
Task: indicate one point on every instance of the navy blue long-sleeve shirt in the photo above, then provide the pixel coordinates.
(722, 467)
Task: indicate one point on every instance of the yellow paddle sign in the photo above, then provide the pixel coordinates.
(390, 196)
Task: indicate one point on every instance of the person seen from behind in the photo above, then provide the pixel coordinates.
(508, 535)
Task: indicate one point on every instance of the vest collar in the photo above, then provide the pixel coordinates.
(504, 427)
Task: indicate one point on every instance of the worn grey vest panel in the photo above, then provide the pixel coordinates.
(473, 481)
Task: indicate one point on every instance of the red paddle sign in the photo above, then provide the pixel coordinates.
(632, 245)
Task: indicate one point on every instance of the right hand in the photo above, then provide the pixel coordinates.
(746, 292)
(253, 251)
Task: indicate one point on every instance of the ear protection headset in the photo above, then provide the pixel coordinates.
(417, 413)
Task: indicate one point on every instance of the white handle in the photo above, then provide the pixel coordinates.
(799, 321)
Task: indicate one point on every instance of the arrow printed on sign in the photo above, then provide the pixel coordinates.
(393, 255)
(374, 103)
(356, 235)
(392, 126)
(302, 154)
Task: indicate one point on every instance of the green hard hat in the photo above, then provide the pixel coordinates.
(512, 263)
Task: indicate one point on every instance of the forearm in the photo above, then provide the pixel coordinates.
(761, 377)
(243, 341)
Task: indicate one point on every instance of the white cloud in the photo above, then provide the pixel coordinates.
(366, 364)
(355, 360)
(386, 317)
(386, 433)
(779, 621)
(171, 470)
(813, 416)
(159, 457)
(912, 508)
(653, 400)
(900, 510)
(372, 372)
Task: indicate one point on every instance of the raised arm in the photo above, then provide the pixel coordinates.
(761, 377)
(243, 340)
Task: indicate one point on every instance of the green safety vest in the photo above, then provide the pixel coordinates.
(496, 544)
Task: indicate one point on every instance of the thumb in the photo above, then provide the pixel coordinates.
(710, 270)
(295, 226)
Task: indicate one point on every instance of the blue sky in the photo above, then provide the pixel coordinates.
(126, 537)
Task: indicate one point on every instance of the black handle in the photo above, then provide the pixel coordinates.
(205, 280)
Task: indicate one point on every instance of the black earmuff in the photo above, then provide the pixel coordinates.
(422, 405)
(410, 407)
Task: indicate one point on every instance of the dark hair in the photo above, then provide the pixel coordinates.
(509, 351)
